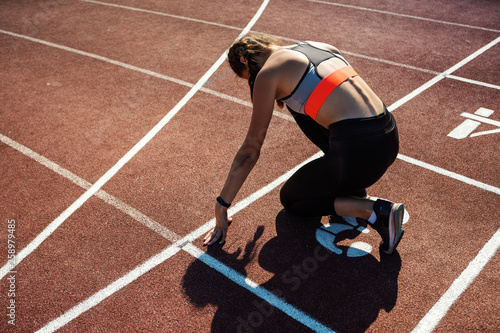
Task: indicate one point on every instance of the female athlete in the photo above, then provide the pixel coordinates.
(338, 112)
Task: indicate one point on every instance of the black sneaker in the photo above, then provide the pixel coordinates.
(389, 223)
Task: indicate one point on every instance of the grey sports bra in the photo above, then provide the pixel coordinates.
(310, 79)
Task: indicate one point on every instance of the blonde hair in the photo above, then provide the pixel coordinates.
(251, 47)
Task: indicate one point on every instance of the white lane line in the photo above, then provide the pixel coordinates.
(101, 57)
(479, 83)
(127, 157)
(45, 162)
(106, 197)
(133, 275)
(249, 200)
(138, 69)
(213, 92)
(403, 15)
(317, 1)
(450, 174)
(485, 133)
(441, 76)
(257, 290)
(481, 119)
(415, 93)
(391, 108)
(163, 14)
(439, 310)
(472, 56)
(185, 243)
(389, 62)
(101, 295)
(285, 116)
(138, 216)
(98, 57)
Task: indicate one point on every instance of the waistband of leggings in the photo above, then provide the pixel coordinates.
(380, 124)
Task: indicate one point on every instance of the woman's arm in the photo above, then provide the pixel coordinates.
(249, 152)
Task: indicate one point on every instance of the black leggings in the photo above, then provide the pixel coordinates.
(357, 154)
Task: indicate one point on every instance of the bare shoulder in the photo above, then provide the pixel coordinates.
(324, 46)
(283, 59)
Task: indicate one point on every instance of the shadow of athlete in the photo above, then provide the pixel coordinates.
(343, 293)
(205, 286)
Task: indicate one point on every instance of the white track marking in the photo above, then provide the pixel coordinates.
(403, 15)
(185, 243)
(101, 295)
(188, 84)
(213, 92)
(138, 216)
(439, 310)
(249, 200)
(441, 76)
(254, 288)
(163, 14)
(98, 57)
(59, 220)
(450, 174)
(415, 93)
(295, 41)
(127, 157)
(485, 133)
(479, 83)
(389, 62)
(140, 70)
(317, 1)
(106, 197)
(481, 119)
(45, 162)
(464, 129)
(472, 56)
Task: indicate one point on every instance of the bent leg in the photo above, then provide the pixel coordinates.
(354, 207)
(307, 192)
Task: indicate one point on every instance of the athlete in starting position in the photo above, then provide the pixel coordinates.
(338, 112)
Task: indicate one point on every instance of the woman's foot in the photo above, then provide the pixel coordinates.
(389, 223)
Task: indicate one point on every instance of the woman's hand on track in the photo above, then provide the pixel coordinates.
(221, 224)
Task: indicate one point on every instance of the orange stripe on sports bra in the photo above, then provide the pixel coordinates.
(325, 88)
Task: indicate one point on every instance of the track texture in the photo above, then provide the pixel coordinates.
(84, 81)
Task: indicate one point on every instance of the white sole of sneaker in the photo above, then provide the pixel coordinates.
(395, 226)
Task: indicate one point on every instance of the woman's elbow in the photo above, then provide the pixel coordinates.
(250, 151)
(250, 155)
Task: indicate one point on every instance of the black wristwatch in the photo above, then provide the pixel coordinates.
(222, 202)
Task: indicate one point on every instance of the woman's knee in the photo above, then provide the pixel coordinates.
(289, 203)
(285, 198)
